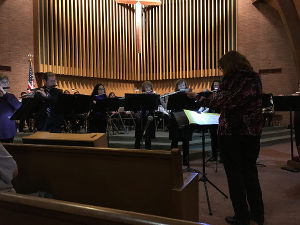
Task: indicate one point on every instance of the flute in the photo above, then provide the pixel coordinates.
(175, 92)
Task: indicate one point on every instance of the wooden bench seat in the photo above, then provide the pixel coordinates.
(150, 182)
(16, 209)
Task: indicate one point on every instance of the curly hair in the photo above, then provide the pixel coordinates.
(233, 62)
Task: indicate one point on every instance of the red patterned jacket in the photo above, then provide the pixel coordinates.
(240, 103)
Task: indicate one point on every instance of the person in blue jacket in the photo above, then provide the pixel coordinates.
(8, 105)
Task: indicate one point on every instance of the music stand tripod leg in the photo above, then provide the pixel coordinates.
(204, 178)
(188, 168)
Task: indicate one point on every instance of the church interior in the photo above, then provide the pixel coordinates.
(80, 172)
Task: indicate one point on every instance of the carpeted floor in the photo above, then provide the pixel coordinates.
(281, 189)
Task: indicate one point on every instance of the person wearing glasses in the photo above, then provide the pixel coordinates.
(97, 119)
(8, 105)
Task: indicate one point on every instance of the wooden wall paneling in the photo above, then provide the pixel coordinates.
(97, 41)
(68, 32)
(72, 37)
(201, 36)
(121, 40)
(194, 44)
(187, 40)
(163, 45)
(167, 64)
(94, 39)
(127, 47)
(42, 42)
(100, 61)
(114, 32)
(117, 41)
(153, 43)
(156, 43)
(123, 44)
(79, 39)
(64, 38)
(104, 49)
(46, 31)
(91, 39)
(87, 40)
(198, 40)
(191, 41)
(109, 44)
(51, 35)
(55, 29)
(150, 35)
(184, 51)
(60, 38)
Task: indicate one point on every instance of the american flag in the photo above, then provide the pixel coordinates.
(30, 79)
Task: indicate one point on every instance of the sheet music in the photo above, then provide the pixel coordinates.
(202, 118)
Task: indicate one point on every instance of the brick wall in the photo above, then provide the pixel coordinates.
(261, 38)
(16, 40)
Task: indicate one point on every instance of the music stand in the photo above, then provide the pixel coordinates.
(203, 121)
(141, 102)
(28, 108)
(108, 104)
(288, 103)
(73, 104)
(180, 101)
(70, 105)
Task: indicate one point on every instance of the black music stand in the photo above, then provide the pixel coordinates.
(108, 104)
(28, 108)
(70, 105)
(141, 102)
(203, 121)
(180, 101)
(73, 104)
(288, 103)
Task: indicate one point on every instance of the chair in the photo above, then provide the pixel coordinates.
(127, 119)
(268, 109)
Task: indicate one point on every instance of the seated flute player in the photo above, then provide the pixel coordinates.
(8, 170)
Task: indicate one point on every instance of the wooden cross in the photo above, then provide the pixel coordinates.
(138, 11)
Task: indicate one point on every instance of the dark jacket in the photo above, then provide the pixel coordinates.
(48, 110)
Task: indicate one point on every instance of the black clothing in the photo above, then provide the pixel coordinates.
(9, 140)
(144, 120)
(297, 127)
(213, 131)
(239, 155)
(98, 118)
(177, 134)
(48, 117)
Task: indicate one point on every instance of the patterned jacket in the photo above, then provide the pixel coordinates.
(239, 101)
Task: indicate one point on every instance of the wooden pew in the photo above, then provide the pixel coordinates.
(16, 209)
(145, 181)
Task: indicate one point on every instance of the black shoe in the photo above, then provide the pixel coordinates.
(234, 221)
(185, 163)
(259, 221)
